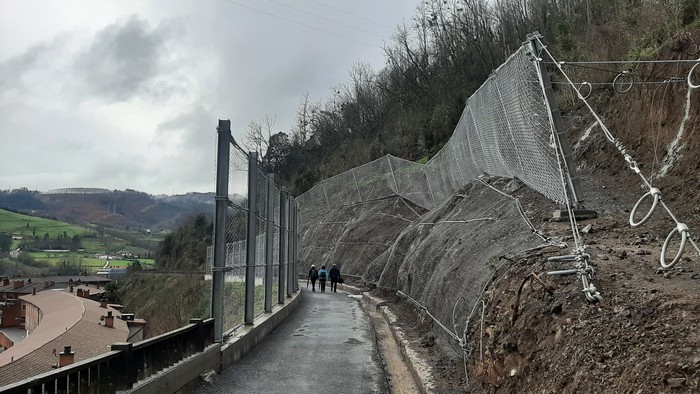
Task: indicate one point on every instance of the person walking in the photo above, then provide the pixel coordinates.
(334, 274)
(313, 275)
(322, 277)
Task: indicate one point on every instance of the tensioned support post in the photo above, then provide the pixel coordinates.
(290, 252)
(222, 169)
(270, 240)
(251, 238)
(296, 246)
(559, 136)
(282, 277)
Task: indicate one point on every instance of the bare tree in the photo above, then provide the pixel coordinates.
(257, 137)
(305, 113)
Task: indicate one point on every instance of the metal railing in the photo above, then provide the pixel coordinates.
(124, 365)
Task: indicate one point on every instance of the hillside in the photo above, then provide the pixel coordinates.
(127, 209)
(475, 266)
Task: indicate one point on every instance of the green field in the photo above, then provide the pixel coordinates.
(86, 260)
(90, 242)
(23, 225)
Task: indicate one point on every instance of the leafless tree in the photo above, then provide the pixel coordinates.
(257, 137)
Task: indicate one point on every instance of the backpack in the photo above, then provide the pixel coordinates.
(314, 274)
(323, 275)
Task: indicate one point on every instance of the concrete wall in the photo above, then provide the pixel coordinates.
(218, 356)
(249, 336)
(5, 342)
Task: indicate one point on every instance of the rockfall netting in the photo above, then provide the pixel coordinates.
(504, 131)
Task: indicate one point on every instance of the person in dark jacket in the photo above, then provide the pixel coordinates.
(322, 277)
(334, 275)
(313, 275)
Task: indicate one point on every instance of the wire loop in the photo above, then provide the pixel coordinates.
(619, 82)
(581, 86)
(682, 229)
(656, 194)
(690, 74)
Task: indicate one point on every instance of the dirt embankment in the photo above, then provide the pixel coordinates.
(642, 338)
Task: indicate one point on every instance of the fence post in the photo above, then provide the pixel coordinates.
(251, 238)
(282, 277)
(126, 371)
(270, 241)
(222, 175)
(290, 251)
(558, 128)
(295, 279)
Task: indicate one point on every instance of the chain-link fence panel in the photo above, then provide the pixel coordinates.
(236, 244)
(260, 243)
(275, 244)
(246, 260)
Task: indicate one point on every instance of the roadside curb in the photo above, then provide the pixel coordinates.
(420, 370)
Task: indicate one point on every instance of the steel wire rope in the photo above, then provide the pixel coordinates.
(619, 61)
(521, 211)
(681, 228)
(617, 72)
(326, 18)
(454, 311)
(351, 14)
(425, 309)
(466, 351)
(680, 80)
(453, 221)
(302, 24)
(620, 79)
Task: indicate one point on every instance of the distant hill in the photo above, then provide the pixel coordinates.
(117, 208)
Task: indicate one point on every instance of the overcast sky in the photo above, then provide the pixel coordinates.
(127, 94)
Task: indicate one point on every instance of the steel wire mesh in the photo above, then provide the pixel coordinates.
(260, 243)
(275, 244)
(236, 243)
(504, 131)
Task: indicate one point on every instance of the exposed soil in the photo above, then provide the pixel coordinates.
(538, 333)
(642, 338)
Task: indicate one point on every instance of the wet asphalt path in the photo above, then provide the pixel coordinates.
(326, 346)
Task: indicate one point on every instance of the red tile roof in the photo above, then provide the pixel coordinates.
(67, 321)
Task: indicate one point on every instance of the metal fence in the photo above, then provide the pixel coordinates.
(507, 129)
(252, 260)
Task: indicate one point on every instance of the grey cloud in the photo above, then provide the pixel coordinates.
(192, 127)
(119, 171)
(12, 69)
(124, 60)
(194, 161)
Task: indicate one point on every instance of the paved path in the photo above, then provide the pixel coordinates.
(326, 346)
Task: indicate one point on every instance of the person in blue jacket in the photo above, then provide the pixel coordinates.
(322, 277)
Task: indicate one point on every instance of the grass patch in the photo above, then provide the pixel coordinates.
(28, 226)
(234, 302)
